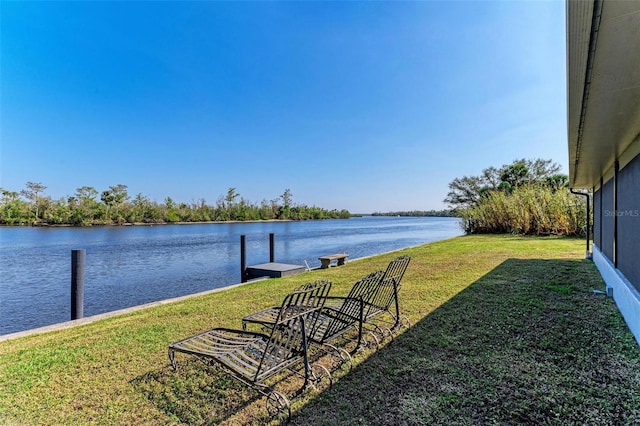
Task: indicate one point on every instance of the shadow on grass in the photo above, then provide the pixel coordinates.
(529, 342)
(195, 394)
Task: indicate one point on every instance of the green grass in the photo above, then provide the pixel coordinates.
(506, 330)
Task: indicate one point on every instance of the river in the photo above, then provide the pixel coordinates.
(132, 265)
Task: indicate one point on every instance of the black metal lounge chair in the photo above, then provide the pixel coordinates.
(385, 300)
(252, 358)
(348, 313)
(333, 322)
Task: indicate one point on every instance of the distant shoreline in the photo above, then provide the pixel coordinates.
(217, 222)
(66, 225)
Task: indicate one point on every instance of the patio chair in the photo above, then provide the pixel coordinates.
(333, 322)
(336, 319)
(252, 358)
(386, 301)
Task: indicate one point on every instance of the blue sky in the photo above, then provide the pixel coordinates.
(368, 106)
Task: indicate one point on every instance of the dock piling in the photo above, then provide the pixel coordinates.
(243, 259)
(77, 283)
(272, 251)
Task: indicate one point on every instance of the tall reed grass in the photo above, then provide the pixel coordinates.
(528, 210)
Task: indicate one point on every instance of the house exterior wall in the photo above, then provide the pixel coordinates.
(628, 215)
(623, 279)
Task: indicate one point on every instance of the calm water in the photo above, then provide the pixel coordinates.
(129, 266)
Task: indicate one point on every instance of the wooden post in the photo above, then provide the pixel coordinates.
(243, 259)
(77, 283)
(272, 252)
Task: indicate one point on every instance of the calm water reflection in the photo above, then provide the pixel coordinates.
(128, 266)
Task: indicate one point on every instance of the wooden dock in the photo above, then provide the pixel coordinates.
(273, 270)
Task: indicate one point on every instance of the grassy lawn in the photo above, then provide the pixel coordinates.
(506, 330)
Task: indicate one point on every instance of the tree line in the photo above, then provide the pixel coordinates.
(525, 197)
(420, 213)
(114, 206)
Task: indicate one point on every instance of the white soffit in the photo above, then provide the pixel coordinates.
(604, 101)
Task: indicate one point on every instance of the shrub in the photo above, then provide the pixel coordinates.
(527, 210)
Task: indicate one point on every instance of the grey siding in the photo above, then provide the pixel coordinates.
(628, 244)
(607, 219)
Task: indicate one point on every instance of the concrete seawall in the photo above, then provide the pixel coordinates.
(94, 318)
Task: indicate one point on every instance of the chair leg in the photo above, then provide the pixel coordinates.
(369, 341)
(278, 405)
(342, 358)
(172, 359)
(385, 332)
(406, 322)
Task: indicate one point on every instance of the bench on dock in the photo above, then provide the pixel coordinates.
(341, 258)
